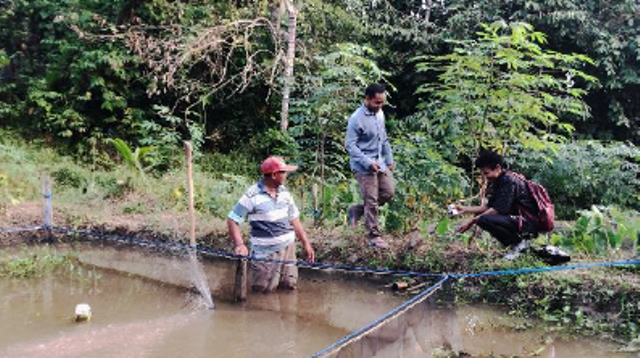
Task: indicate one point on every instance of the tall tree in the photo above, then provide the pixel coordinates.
(503, 89)
(606, 31)
(288, 63)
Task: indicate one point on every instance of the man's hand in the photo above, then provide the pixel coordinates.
(242, 250)
(236, 236)
(461, 209)
(311, 255)
(466, 226)
(297, 227)
(392, 166)
(375, 167)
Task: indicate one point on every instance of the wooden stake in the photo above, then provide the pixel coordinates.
(192, 212)
(240, 290)
(48, 207)
(197, 270)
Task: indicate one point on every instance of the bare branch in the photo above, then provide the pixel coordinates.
(198, 63)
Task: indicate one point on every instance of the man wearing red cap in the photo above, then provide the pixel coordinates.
(275, 223)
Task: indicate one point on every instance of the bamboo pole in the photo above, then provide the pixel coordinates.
(200, 278)
(192, 213)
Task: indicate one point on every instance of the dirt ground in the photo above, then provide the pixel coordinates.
(342, 244)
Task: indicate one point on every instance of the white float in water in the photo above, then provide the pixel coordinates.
(83, 312)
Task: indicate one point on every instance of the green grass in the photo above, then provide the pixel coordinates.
(121, 196)
(33, 262)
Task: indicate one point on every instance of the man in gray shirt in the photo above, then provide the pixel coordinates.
(371, 160)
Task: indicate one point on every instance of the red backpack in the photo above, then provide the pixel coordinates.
(540, 196)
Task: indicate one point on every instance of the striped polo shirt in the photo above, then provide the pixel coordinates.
(270, 218)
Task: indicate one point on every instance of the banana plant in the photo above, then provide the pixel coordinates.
(133, 158)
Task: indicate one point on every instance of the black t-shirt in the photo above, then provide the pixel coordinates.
(507, 193)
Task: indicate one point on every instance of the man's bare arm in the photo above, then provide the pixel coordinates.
(302, 236)
(236, 236)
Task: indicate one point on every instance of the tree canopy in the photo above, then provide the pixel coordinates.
(463, 75)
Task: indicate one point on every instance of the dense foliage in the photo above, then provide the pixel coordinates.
(127, 80)
(503, 89)
(585, 173)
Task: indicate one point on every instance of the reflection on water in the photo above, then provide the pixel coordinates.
(482, 331)
(471, 331)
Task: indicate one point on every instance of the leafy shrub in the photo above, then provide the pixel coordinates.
(503, 88)
(580, 174)
(224, 194)
(233, 163)
(70, 178)
(115, 188)
(134, 159)
(326, 202)
(274, 142)
(602, 230)
(425, 182)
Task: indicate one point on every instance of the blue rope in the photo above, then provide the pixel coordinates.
(530, 270)
(213, 252)
(182, 247)
(375, 324)
(209, 251)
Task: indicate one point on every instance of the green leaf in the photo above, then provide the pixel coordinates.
(443, 226)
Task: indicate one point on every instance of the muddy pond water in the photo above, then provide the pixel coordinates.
(134, 317)
(139, 317)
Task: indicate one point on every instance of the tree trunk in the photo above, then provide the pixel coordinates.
(288, 71)
(275, 9)
(427, 16)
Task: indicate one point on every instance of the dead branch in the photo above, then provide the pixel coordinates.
(198, 63)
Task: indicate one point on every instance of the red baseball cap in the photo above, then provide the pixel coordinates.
(276, 164)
